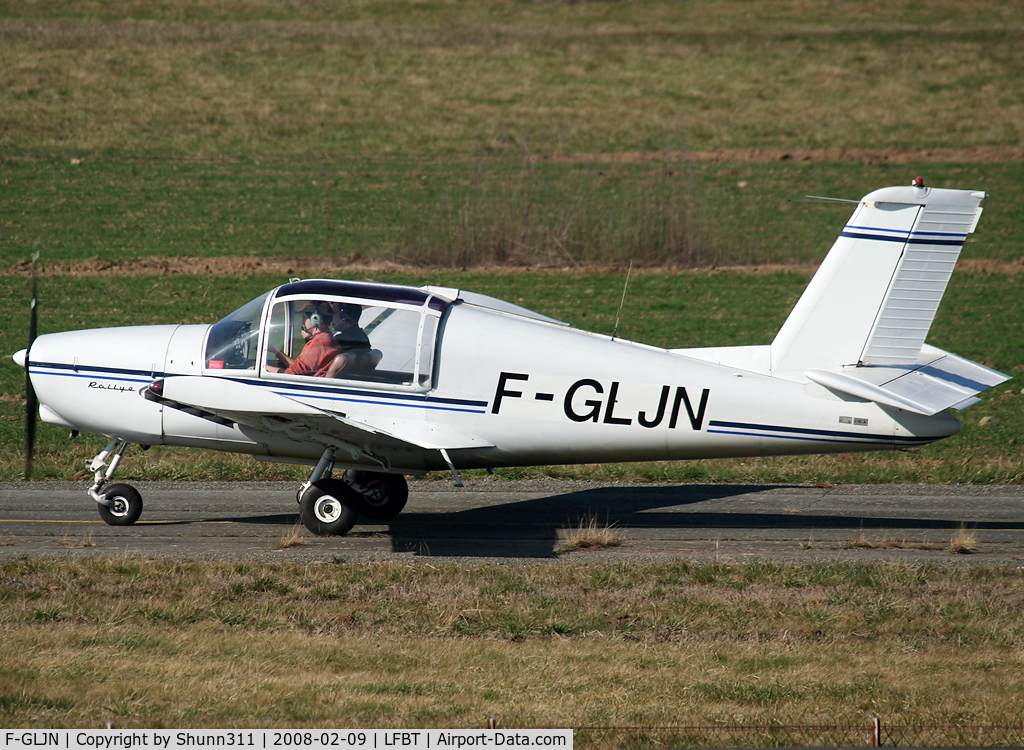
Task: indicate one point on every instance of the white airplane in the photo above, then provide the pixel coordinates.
(436, 377)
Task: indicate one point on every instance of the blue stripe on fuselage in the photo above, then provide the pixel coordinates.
(801, 433)
(340, 393)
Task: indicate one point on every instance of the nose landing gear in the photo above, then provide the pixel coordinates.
(125, 505)
(118, 504)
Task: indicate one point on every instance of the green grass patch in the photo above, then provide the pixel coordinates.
(466, 212)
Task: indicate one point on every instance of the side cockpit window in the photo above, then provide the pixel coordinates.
(364, 340)
(232, 342)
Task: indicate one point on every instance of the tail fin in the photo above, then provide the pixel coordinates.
(874, 297)
(861, 323)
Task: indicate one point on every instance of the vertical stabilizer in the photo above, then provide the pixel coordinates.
(874, 297)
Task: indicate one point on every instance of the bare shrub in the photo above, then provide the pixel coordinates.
(524, 211)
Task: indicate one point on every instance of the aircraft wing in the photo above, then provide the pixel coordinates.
(229, 401)
(939, 380)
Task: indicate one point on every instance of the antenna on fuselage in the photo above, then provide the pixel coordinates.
(618, 312)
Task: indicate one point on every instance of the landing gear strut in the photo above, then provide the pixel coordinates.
(330, 507)
(118, 504)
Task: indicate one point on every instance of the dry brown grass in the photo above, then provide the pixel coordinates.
(964, 542)
(85, 541)
(889, 542)
(590, 534)
(365, 78)
(142, 643)
(293, 538)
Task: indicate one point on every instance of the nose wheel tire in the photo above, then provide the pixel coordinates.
(328, 508)
(126, 507)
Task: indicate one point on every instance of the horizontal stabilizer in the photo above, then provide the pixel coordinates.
(941, 381)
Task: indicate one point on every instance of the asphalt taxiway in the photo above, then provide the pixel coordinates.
(531, 520)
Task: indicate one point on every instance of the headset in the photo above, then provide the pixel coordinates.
(321, 316)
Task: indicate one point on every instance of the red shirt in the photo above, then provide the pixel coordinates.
(316, 356)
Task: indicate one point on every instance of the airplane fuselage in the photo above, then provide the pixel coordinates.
(528, 392)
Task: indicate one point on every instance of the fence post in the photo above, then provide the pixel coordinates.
(876, 732)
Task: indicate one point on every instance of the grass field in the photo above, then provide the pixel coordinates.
(406, 129)
(432, 77)
(420, 211)
(163, 644)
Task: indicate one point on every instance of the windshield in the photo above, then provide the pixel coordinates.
(232, 342)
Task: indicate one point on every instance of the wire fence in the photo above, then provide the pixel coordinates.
(874, 734)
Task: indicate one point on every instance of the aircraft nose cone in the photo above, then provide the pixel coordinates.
(20, 357)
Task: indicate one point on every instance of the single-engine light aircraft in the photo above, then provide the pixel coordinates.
(370, 382)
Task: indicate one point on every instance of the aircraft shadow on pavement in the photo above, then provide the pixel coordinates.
(530, 528)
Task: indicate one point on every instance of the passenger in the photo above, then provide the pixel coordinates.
(347, 332)
(356, 357)
(319, 350)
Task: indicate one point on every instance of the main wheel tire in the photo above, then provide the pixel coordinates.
(126, 508)
(328, 508)
(381, 496)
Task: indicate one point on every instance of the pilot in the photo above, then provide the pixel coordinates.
(356, 356)
(320, 348)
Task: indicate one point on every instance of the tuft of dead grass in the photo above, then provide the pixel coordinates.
(589, 534)
(85, 541)
(964, 542)
(293, 538)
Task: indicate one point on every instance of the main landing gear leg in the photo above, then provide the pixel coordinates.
(118, 504)
(327, 506)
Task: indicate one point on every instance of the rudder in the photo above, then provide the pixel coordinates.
(875, 295)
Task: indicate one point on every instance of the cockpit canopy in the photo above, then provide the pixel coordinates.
(381, 333)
